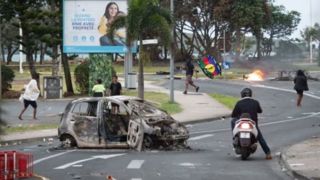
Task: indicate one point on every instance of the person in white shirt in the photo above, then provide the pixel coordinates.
(30, 97)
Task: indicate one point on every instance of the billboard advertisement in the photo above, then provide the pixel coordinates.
(85, 24)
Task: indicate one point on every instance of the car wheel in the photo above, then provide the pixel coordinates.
(68, 141)
(147, 142)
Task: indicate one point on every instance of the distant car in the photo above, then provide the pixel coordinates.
(93, 122)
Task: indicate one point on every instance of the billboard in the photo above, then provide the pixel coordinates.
(85, 23)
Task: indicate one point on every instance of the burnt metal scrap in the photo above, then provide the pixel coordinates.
(284, 75)
(95, 122)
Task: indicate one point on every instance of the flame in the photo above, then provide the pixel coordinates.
(256, 75)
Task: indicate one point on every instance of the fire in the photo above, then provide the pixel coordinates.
(257, 75)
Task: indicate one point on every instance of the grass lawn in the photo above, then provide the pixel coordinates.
(160, 99)
(228, 101)
(30, 127)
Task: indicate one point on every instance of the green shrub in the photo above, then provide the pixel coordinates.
(81, 74)
(100, 68)
(7, 75)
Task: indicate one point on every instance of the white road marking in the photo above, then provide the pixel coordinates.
(136, 179)
(262, 124)
(308, 113)
(49, 157)
(200, 137)
(187, 164)
(88, 159)
(285, 90)
(135, 164)
(297, 164)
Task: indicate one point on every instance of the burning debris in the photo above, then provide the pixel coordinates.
(256, 75)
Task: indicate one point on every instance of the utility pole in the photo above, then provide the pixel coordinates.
(20, 49)
(224, 45)
(172, 57)
(0, 60)
(310, 45)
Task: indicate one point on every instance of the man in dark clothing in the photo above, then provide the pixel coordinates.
(189, 73)
(300, 85)
(115, 89)
(251, 106)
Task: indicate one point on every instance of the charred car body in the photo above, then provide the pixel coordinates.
(118, 122)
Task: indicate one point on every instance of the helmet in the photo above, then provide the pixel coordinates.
(246, 92)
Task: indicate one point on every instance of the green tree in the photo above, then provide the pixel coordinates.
(28, 13)
(282, 24)
(9, 33)
(52, 26)
(144, 16)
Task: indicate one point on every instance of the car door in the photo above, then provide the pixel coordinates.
(84, 119)
(135, 131)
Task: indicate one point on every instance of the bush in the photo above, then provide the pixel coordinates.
(88, 72)
(81, 73)
(7, 75)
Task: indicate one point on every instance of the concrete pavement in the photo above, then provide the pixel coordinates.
(301, 160)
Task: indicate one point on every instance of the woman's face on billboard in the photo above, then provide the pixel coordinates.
(113, 10)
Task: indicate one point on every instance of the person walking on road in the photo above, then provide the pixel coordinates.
(115, 90)
(251, 106)
(189, 73)
(30, 97)
(300, 85)
(98, 89)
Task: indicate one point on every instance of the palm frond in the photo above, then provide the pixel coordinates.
(119, 22)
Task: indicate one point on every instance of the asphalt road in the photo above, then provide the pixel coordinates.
(210, 156)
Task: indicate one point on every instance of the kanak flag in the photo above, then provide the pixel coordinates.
(209, 66)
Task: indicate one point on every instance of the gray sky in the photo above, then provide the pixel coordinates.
(309, 11)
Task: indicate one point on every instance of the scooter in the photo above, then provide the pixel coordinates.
(245, 137)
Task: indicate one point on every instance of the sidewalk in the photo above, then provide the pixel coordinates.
(196, 107)
(303, 159)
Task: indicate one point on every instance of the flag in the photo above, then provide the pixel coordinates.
(209, 66)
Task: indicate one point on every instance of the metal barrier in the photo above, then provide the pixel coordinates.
(15, 165)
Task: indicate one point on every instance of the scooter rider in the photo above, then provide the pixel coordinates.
(249, 105)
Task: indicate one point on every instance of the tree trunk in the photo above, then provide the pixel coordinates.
(9, 51)
(43, 48)
(141, 78)
(32, 68)
(67, 74)
(2, 53)
(10, 55)
(55, 61)
(35, 56)
(238, 44)
(258, 37)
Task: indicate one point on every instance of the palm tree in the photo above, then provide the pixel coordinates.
(144, 17)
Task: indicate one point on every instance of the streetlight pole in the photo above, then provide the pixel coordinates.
(20, 49)
(310, 45)
(0, 61)
(224, 45)
(172, 58)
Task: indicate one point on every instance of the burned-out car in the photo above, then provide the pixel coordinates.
(119, 122)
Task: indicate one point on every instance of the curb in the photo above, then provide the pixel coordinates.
(23, 141)
(207, 119)
(289, 170)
